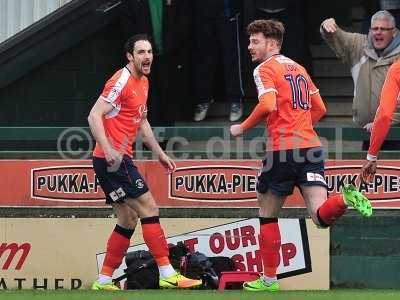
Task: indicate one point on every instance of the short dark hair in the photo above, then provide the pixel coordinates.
(130, 43)
(269, 28)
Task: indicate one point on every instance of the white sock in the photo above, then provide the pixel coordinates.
(104, 279)
(166, 271)
(268, 280)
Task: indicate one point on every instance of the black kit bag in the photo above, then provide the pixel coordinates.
(208, 269)
(142, 271)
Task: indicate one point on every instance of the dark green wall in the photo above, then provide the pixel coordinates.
(61, 91)
(366, 252)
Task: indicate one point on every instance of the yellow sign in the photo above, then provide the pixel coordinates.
(65, 253)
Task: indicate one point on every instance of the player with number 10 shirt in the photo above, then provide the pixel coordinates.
(289, 104)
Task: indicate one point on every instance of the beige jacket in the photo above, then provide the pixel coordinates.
(367, 69)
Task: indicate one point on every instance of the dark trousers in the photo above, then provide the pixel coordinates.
(295, 44)
(216, 43)
(169, 90)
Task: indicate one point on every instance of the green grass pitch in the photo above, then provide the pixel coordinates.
(202, 295)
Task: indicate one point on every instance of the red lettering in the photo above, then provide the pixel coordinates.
(248, 235)
(14, 248)
(239, 262)
(288, 252)
(232, 241)
(254, 261)
(191, 243)
(217, 243)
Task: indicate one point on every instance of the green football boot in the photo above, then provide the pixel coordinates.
(357, 200)
(259, 285)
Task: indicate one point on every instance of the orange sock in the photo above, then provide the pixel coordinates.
(154, 238)
(270, 245)
(332, 209)
(117, 245)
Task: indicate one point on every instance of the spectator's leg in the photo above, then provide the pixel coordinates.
(205, 58)
(229, 34)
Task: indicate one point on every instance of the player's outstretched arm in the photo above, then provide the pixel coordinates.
(267, 103)
(318, 109)
(385, 111)
(382, 121)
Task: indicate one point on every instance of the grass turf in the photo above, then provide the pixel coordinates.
(201, 295)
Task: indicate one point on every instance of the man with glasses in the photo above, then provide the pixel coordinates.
(369, 57)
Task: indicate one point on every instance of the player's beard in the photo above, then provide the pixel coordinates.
(256, 58)
(142, 69)
(145, 68)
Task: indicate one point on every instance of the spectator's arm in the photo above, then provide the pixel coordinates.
(347, 46)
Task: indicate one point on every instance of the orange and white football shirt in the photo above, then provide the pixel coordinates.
(289, 126)
(388, 103)
(128, 96)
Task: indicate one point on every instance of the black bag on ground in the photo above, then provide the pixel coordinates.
(142, 271)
